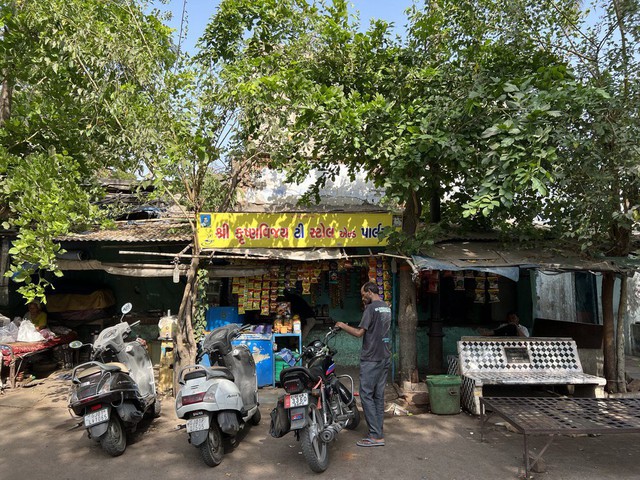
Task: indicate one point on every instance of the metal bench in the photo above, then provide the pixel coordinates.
(523, 361)
(554, 416)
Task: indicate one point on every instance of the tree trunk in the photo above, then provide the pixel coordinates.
(185, 346)
(407, 323)
(620, 334)
(407, 311)
(608, 282)
(5, 98)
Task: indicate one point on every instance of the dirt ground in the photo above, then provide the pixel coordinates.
(38, 441)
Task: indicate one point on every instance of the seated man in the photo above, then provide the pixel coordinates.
(511, 328)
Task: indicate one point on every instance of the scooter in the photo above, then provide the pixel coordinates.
(116, 388)
(316, 405)
(218, 400)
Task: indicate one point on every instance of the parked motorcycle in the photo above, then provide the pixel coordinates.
(218, 400)
(116, 388)
(316, 405)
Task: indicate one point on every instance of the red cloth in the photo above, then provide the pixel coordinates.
(21, 348)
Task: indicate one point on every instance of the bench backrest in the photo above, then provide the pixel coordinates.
(518, 354)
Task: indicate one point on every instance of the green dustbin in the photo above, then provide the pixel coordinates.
(444, 394)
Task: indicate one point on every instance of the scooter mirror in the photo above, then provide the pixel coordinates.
(75, 344)
(126, 308)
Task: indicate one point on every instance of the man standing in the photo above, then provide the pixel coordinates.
(374, 360)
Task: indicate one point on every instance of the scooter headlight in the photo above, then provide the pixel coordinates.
(210, 396)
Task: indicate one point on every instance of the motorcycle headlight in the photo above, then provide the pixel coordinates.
(210, 396)
(179, 401)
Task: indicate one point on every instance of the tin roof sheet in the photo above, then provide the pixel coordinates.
(137, 231)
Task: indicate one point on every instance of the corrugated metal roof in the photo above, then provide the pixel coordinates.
(493, 254)
(137, 231)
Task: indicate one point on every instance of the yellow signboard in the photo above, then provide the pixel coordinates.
(293, 230)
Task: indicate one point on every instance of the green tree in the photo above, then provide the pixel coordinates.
(418, 114)
(593, 191)
(76, 77)
(196, 162)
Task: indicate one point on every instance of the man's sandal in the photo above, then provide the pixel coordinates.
(370, 442)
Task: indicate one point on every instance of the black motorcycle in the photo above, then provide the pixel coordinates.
(316, 405)
(115, 389)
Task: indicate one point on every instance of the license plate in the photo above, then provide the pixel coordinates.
(97, 417)
(198, 423)
(297, 400)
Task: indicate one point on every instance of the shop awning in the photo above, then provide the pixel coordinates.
(428, 263)
(492, 257)
(155, 270)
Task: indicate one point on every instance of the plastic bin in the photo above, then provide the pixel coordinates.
(220, 316)
(280, 365)
(444, 394)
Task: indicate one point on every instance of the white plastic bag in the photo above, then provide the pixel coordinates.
(28, 333)
(9, 334)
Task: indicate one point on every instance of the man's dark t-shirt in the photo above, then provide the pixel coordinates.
(376, 320)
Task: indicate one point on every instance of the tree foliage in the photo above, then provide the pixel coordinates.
(493, 115)
(77, 79)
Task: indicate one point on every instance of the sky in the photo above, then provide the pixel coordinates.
(200, 11)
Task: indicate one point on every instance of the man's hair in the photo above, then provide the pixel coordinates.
(371, 287)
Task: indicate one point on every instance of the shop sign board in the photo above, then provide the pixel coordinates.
(293, 230)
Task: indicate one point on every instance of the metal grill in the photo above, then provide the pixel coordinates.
(548, 416)
(562, 416)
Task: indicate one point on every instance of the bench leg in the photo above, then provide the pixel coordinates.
(477, 395)
(528, 466)
(12, 373)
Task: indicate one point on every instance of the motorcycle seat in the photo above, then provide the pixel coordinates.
(121, 366)
(210, 373)
(302, 373)
(111, 366)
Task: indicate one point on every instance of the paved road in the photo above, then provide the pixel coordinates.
(36, 443)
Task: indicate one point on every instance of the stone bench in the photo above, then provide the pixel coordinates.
(521, 361)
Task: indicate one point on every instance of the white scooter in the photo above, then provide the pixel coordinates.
(218, 400)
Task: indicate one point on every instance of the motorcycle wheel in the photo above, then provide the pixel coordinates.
(114, 441)
(344, 396)
(212, 450)
(255, 420)
(314, 450)
(157, 408)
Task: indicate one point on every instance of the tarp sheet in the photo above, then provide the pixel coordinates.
(428, 263)
(151, 270)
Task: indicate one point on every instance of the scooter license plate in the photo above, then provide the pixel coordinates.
(94, 418)
(297, 400)
(198, 423)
